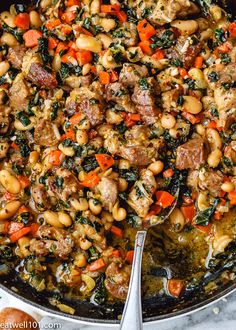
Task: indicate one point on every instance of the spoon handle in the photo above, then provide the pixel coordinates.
(132, 314)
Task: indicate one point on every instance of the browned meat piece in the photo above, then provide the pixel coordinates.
(93, 111)
(191, 155)
(41, 77)
(15, 56)
(131, 73)
(18, 93)
(40, 197)
(118, 93)
(57, 242)
(71, 184)
(226, 104)
(137, 154)
(117, 280)
(4, 146)
(144, 98)
(190, 51)
(109, 192)
(230, 151)
(140, 197)
(211, 181)
(164, 11)
(138, 133)
(44, 134)
(225, 74)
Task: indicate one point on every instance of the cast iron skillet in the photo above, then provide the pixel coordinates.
(154, 309)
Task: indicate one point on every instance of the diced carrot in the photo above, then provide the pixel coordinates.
(71, 3)
(145, 47)
(69, 16)
(76, 118)
(91, 180)
(164, 198)
(53, 23)
(129, 256)
(24, 181)
(145, 30)
(80, 29)
(15, 146)
(205, 229)
(131, 119)
(175, 287)
(232, 197)
(108, 9)
(31, 38)
(191, 118)
(115, 253)
(20, 233)
(66, 29)
(96, 265)
(69, 57)
(168, 173)
(218, 215)
(232, 29)
(105, 161)
(183, 72)
(159, 54)
(93, 69)
(52, 43)
(189, 212)
(104, 77)
(224, 48)
(117, 231)
(34, 228)
(84, 57)
(61, 47)
(14, 226)
(121, 15)
(154, 210)
(22, 21)
(55, 157)
(23, 209)
(70, 134)
(198, 62)
(114, 75)
(72, 45)
(212, 124)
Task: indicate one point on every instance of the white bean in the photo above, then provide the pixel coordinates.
(9, 210)
(214, 158)
(4, 67)
(52, 219)
(81, 137)
(65, 219)
(187, 27)
(35, 20)
(8, 19)
(156, 167)
(10, 182)
(89, 43)
(95, 7)
(177, 220)
(192, 104)
(213, 138)
(228, 186)
(168, 121)
(108, 24)
(9, 39)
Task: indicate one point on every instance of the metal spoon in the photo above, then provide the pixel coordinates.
(132, 313)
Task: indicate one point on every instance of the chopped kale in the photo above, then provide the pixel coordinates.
(131, 15)
(55, 108)
(138, 192)
(129, 175)
(63, 73)
(133, 220)
(143, 83)
(17, 169)
(14, 32)
(213, 76)
(43, 50)
(220, 35)
(87, 23)
(59, 181)
(25, 218)
(203, 217)
(177, 62)
(146, 12)
(121, 128)
(23, 118)
(89, 164)
(225, 58)
(167, 40)
(180, 100)
(190, 82)
(6, 252)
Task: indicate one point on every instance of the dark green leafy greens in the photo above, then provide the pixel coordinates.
(203, 217)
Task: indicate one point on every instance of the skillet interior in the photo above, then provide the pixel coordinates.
(154, 308)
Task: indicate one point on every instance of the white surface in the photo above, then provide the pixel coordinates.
(220, 316)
